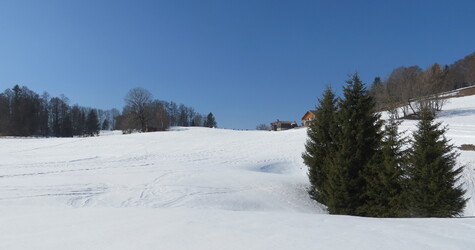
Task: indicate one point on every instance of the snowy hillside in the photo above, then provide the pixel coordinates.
(199, 188)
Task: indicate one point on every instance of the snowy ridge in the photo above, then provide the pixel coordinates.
(199, 188)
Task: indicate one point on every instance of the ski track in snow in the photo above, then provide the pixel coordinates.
(149, 174)
(237, 189)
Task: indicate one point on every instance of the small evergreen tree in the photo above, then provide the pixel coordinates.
(210, 121)
(433, 175)
(105, 124)
(320, 146)
(385, 176)
(357, 139)
(92, 123)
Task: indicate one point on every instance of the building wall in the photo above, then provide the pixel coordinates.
(307, 118)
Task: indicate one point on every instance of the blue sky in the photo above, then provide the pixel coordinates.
(248, 62)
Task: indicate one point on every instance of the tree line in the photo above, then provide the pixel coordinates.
(25, 113)
(144, 113)
(358, 168)
(408, 90)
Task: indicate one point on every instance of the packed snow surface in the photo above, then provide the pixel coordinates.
(199, 188)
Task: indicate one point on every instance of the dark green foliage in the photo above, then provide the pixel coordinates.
(105, 124)
(356, 169)
(22, 113)
(357, 139)
(4, 113)
(92, 123)
(210, 121)
(320, 146)
(433, 175)
(78, 118)
(384, 176)
(25, 113)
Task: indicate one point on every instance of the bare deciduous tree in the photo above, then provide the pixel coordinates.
(137, 100)
(402, 86)
(263, 126)
(159, 119)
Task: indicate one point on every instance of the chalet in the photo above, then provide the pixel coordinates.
(308, 118)
(282, 125)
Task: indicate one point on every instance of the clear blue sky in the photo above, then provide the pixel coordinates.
(248, 62)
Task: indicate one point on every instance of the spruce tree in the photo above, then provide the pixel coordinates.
(433, 174)
(385, 176)
(357, 138)
(92, 123)
(105, 124)
(210, 121)
(320, 146)
(78, 118)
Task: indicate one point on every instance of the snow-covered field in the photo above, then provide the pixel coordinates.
(199, 188)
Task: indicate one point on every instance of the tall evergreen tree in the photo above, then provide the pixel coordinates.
(25, 111)
(4, 113)
(92, 123)
(433, 174)
(357, 139)
(105, 124)
(78, 118)
(385, 176)
(320, 146)
(15, 113)
(210, 121)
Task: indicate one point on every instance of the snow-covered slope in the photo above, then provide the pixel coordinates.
(198, 188)
(191, 168)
